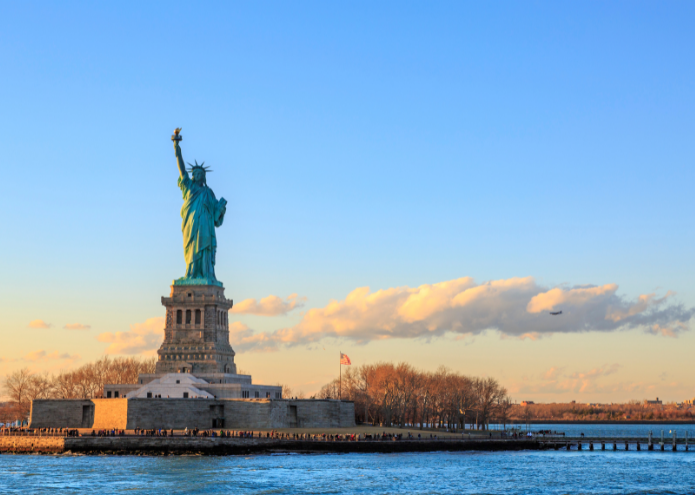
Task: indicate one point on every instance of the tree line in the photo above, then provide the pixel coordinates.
(633, 411)
(399, 394)
(86, 382)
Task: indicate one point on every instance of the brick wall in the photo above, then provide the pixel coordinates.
(170, 413)
(58, 413)
(347, 414)
(238, 414)
(110, 413)
(32, 444)
(323, 413)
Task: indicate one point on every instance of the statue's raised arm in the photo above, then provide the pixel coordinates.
(179, 161)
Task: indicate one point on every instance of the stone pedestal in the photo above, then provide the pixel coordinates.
(196, 334)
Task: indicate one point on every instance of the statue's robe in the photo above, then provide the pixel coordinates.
(201, 213)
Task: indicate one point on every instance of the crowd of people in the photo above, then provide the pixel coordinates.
(269, 435)
(39, 432)
(108, 433)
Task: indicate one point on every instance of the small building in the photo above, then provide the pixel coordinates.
(172, 386)
(656, 402)
(212, 385)
(182, 400)
(527, 403)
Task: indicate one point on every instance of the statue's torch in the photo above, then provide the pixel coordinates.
(177, 136)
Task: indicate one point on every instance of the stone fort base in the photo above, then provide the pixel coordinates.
(234, 414)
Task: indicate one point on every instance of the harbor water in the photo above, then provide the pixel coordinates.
(547, 472)
(537, 472)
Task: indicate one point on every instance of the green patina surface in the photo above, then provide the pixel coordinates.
(197, 281)
(201, 214)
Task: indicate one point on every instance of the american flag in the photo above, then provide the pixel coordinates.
(344, 359)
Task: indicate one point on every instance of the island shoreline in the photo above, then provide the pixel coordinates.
(132, 445)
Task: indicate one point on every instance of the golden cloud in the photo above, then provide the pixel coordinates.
(142, 337)
(242, 338)
(39, 324)
(77, 326)
(515, 307)
(268, 306)
(43, 356)
(555, 381)
(556, 298)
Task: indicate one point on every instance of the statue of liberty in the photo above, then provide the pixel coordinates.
(201, 213)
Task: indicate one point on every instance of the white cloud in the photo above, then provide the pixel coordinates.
(42, 356)
(141, 338)
(668, 330)
(556, 298)
(39, 324)
(552, 373)
(516, 307)
(77, 326)
(242, 338)
(596, 373)
(556, 382)
(269, 306)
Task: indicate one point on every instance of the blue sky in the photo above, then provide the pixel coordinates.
(386, 145)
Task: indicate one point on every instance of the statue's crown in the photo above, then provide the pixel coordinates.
(198, 167)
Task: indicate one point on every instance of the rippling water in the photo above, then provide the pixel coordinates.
(436, 473)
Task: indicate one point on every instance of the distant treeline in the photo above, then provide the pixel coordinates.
(633, 411)
(86, 382)
(398, 394)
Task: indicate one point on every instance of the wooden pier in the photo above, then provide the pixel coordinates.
(662, 443)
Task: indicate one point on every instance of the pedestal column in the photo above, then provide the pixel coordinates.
(196, 333)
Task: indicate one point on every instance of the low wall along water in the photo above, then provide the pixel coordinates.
(240, 414)
(145, 445)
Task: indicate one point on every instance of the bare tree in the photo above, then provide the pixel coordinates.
(286, 390)
(489, 394)
(85, 382)
(17, 386)
(9, 412)
(386, 393)
(504, 406)
(64, 386)
(329, 391)
(40, 387)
